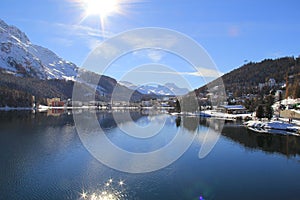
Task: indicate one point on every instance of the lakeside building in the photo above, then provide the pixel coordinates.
(55, 102)
(232, 109)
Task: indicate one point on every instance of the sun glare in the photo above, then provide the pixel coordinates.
(102, 8)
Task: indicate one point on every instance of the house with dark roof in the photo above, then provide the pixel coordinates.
(232, 109)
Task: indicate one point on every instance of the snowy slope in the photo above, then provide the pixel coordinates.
(18, 56)
(22, 58)
(55, 67)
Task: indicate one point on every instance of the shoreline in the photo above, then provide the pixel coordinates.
(6, 108)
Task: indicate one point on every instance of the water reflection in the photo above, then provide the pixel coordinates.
(178, 121)
(286, 145)
(110, 190)
(192, 123)
(43, 158)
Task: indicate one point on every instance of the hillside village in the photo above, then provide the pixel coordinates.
(260, 84)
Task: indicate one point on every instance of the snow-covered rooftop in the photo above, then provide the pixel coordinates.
(234, 107)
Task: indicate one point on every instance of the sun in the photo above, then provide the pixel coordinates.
(102, 8)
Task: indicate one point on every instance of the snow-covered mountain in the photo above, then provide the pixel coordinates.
(18, 56)
(22, 58)
(168, 89)
(23, 64)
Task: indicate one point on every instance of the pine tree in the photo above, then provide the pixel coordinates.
(269, 100)
(260, 112)
(177, 106)
(269, 112)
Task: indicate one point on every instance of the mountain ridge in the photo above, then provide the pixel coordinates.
(168, 89)
(22, 58)
(39, 70)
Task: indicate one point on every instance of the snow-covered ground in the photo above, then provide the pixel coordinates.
(294, 121)
(281, 126)
(217, 114)
(286, 102)
(296, 111)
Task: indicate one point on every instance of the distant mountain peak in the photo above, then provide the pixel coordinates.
(14, 31)
(22, 58)
(168, 89)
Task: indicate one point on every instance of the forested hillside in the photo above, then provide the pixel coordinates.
(246, 79)
(18, 91)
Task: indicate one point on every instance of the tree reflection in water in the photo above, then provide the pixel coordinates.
(284, 144)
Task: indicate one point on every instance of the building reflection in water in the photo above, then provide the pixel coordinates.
(284, 144)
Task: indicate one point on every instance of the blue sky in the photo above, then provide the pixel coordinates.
(231, 31)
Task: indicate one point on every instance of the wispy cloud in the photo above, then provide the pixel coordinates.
(155, 55)
(91, 36)
(81, 30)
(68, 34)
(205, 72)
(202, 72)
(144, 38)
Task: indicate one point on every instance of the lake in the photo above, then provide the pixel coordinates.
(43, 156)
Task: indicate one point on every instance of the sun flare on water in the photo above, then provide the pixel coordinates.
(110, 190)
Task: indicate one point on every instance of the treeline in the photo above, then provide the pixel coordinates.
(19, 91)
(16, 91)
(15, 98)
(245, 80)
(109, 85)
(293, 88)
(38, 87)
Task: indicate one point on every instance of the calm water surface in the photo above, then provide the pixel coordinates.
(42, 157)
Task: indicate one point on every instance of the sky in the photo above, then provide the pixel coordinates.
(232, 32)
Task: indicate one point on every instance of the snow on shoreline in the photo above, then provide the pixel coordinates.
(214, 113)
(272, 125)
